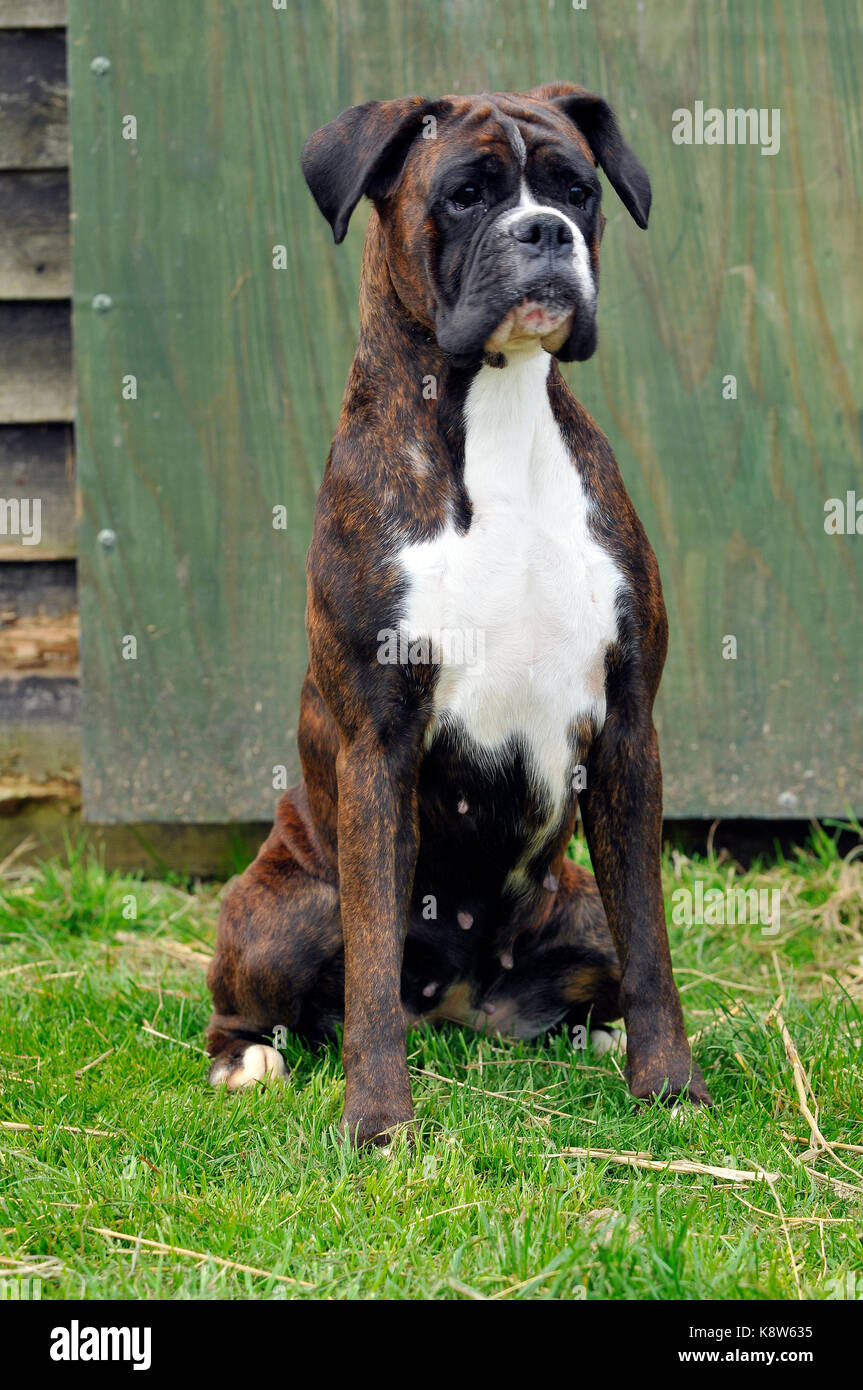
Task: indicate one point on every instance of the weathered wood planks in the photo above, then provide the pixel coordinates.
(39, 684)
(34, 126)
(32, 14)
(37, 463)
(35, 363)
(35, 244)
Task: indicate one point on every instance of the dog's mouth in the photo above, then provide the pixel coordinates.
(530, 320)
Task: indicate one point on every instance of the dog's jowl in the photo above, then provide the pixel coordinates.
(486, 633)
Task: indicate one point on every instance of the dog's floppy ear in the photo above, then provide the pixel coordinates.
(361, 151)
(596, 121)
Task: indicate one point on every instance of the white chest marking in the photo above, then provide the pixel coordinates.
(523, 603)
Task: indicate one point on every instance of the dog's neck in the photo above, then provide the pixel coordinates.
(430, 389)
(389, 331)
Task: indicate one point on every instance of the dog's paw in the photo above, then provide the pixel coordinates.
(680, 1113)
(604, 1040)
(378, 1127)
(256, 1063)
(671, 1084)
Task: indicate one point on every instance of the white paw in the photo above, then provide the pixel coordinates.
(683, 1112)
(604, 1040)
(258, 1063)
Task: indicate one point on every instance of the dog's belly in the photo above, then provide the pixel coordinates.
(521, 608)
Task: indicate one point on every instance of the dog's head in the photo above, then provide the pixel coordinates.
(490, 209)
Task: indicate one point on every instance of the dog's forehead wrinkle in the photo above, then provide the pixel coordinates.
(506, 112)
(516, 140)
(519, 132)
(467, 162)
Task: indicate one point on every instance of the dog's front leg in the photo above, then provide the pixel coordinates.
(621, 807)
(378, 838)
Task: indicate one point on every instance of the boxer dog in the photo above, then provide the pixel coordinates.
(486, 634)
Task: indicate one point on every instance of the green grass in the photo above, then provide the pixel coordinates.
(485, 1205)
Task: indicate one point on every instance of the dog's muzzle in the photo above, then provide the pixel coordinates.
(528, 280)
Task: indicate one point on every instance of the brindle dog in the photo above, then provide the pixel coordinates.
(486, 633)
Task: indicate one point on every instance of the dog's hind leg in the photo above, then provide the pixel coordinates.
(279, 955)
(590, 978)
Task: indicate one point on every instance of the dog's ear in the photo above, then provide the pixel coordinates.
(596, 121)
(361, 151)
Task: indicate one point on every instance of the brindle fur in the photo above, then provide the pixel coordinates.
(331, 923)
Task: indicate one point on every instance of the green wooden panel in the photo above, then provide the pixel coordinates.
(750, 268)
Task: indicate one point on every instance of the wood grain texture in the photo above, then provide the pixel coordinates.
(46, 645)
(47, 590)
(37, 461)
(40, 734)
(34, 128)
(35, 237)
(32, 14)
(750, 267)
(36, 382)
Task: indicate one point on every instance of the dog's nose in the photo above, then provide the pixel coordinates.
(542, 233)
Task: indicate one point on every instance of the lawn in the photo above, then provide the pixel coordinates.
(111, 1139)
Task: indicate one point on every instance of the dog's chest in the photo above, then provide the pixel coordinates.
(521, 608)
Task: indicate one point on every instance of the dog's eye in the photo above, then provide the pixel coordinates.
(578, 195)
(467, 196)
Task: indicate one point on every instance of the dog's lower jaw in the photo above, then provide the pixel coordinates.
(574, 339)
(528, 326)
(581, 343)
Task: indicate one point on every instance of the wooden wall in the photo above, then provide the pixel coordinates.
(39, 696)
(40, 731)
(750, 268)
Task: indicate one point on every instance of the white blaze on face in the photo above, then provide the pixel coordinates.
(517, 144)
(527, 206)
